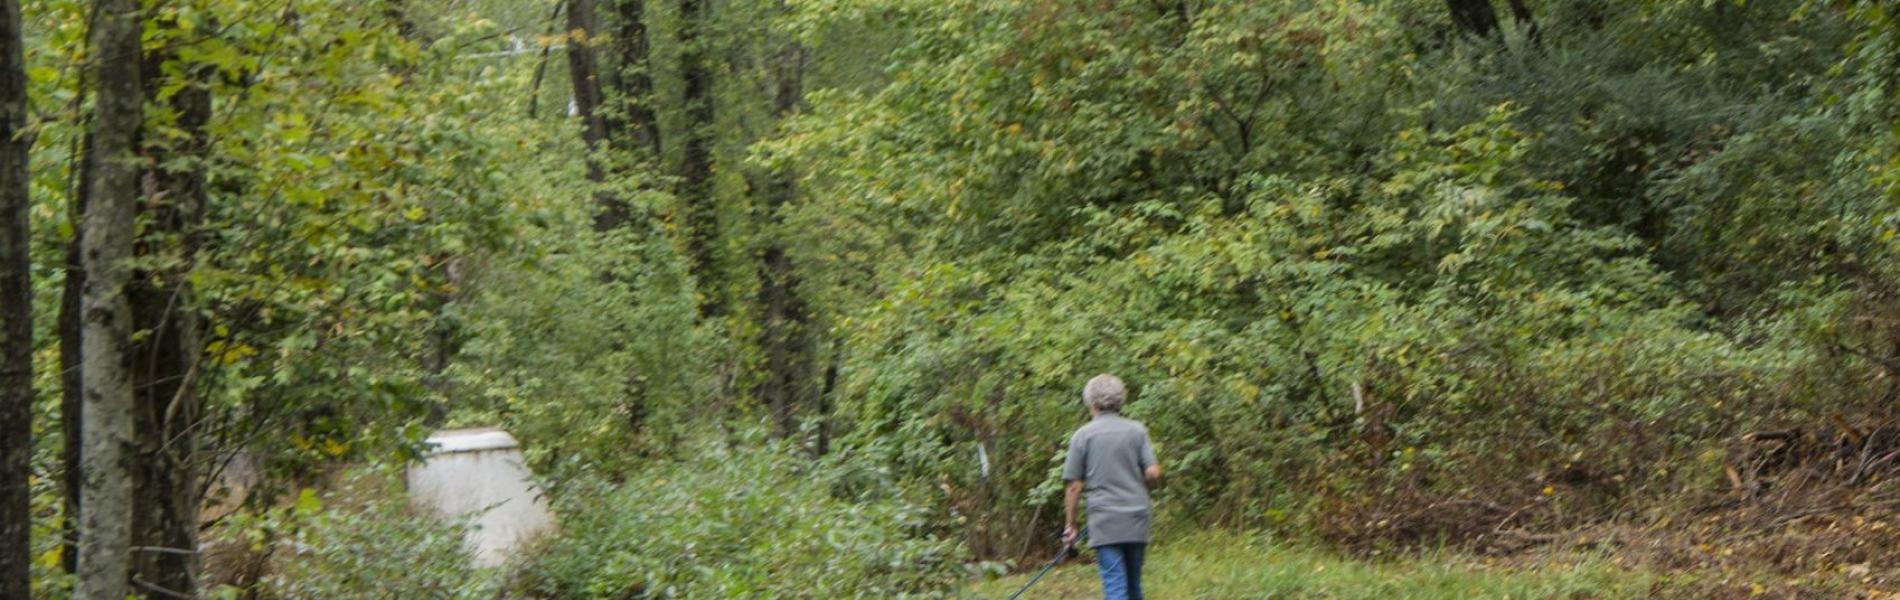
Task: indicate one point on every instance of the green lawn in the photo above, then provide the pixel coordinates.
(1237, 566)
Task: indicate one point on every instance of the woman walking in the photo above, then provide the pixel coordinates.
(1112, 463)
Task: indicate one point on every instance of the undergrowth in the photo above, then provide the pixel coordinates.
(760, 521)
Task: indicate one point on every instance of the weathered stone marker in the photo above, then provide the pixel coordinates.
(478, 475)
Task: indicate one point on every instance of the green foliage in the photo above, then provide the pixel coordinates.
(357, 538)
(47, 547)
(1352, 261)
(339, 224)
(753, 521)
(351, 173)
(1348, 265)
(613, 377)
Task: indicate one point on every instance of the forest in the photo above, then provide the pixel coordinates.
(796, 298)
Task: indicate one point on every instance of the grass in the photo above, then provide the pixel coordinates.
(1237, 566)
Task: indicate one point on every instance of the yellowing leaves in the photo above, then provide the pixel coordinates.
(333, 448)
(229, 354)
(307, 503)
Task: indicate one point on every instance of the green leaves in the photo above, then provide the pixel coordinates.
(1297, 229)
(793, 528)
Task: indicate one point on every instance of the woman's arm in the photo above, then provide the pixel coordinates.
(1071, 496)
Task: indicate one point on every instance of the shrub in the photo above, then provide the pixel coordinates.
(367, 543)
(749, 522)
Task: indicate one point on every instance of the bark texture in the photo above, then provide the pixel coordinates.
(105, 532)
(16, 315)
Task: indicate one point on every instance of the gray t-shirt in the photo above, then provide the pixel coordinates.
(1109, 456)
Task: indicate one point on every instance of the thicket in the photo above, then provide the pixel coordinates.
(1386, 273)
(358, 536)
(1372, 278)
(760, 520)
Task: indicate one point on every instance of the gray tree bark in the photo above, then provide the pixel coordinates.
(16, 315)
(105, 532)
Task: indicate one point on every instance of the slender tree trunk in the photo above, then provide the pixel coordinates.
(784, 337)
(633, 134)
(825, 392)
(71, 367)
(784, 333)
(583, 65)
(105, 532)
(16, 315)
(1475, 17)
(541, 66)
(165, 356)
(639, 125)
(695, 171)
(1521, 13)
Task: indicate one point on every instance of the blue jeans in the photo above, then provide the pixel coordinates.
(1120, 565)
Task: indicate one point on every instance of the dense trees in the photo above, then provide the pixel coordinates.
(232, 216)
(1350, 259)
(1535, 264)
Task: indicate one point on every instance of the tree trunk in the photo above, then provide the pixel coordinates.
(16, 316)
(639, 125)
(825, 391)
(105, 532)
(583, 29)
(1475, 17)
(165, 356)
(633, 134)
(1521, 13)
(696, 189)
(71, 366)
(784, 332)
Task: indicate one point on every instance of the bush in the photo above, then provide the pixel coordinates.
(367, 543)
(732, 523)
(613, 377)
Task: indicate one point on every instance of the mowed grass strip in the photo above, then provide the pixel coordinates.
(1215, 565)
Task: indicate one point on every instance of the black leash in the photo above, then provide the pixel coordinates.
(1066, 549)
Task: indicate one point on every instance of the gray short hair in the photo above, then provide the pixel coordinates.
(1105, 393)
